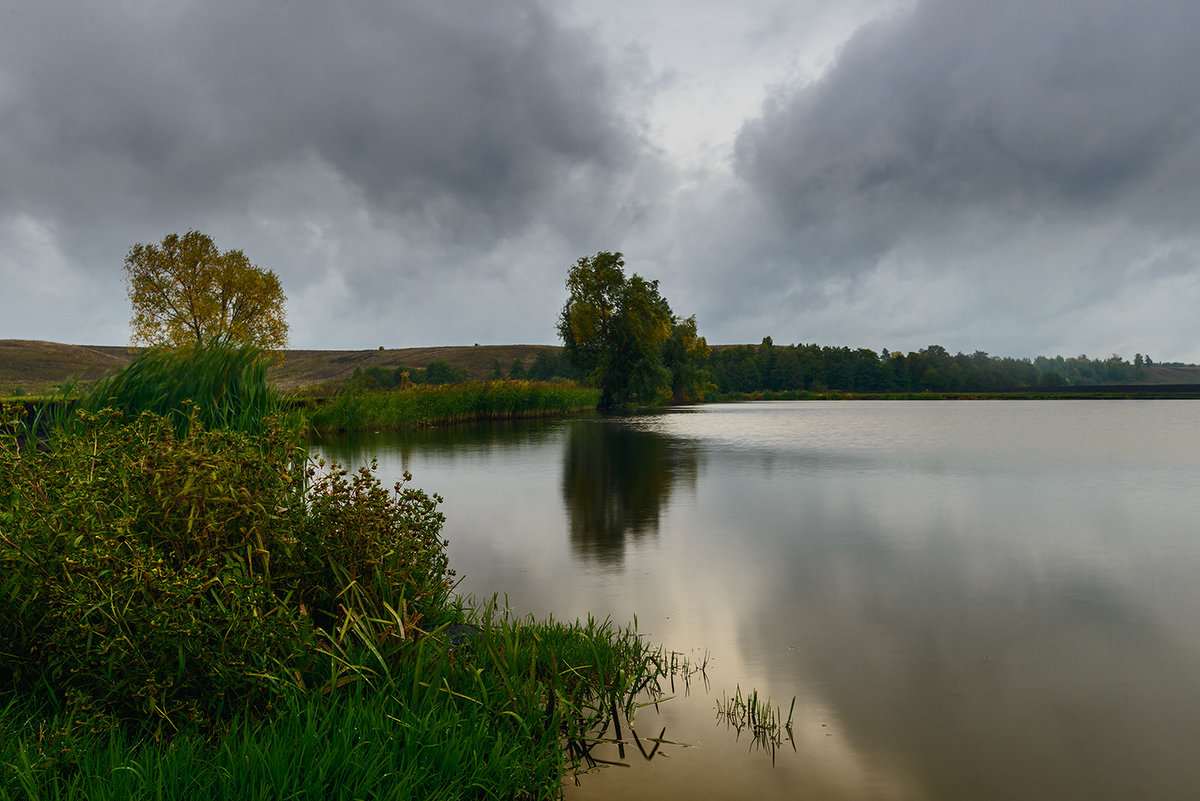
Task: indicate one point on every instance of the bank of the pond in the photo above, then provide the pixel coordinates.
(183, 614)
(431, 405)
(189, 608)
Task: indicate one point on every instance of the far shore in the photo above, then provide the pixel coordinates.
(31, 369)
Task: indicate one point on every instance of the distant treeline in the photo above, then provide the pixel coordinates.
(818, 368)
(767, 367)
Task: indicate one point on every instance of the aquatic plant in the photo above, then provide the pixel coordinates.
(757, 716)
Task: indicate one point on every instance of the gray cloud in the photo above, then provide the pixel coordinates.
(1001, 164)
(1019, 108)
(471, 108)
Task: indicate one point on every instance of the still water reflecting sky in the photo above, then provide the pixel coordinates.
(985, 600)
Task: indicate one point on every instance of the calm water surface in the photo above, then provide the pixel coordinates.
(969, 600)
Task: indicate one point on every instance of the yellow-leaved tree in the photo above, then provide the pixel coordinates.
(186, 291)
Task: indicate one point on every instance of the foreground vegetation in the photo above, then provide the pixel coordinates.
(189, 608)
(507, 716)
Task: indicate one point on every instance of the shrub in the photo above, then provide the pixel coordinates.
(164, 577)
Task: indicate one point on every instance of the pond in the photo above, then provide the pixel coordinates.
(983, 600)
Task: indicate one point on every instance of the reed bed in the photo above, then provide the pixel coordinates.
(425, 405)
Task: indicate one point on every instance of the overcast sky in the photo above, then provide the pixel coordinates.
(1014, 176)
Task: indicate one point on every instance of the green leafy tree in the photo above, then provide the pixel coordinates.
(686, 355)
(613, 329)
(441, 373)
(550, 364)
(187, 291)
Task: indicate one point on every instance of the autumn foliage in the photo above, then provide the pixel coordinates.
(187, 291)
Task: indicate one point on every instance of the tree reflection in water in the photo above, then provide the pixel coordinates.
(617, 482)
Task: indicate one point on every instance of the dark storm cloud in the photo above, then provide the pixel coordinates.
(462, 112)
(1009, 176)
(1021, 112)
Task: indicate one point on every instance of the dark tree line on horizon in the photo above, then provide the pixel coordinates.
(819, 368)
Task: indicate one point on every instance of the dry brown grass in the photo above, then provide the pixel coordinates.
(34, 368)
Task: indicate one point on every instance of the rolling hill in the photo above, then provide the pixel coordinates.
(31, 367)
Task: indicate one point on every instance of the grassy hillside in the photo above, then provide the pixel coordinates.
(30, 367)
(302, 368)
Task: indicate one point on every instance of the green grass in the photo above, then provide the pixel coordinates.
(505, 712)
(425, 405)
(384, 746)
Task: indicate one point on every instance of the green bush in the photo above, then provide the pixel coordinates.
(162, 577)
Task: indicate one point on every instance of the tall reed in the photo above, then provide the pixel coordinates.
(422, 405)
(221, 385)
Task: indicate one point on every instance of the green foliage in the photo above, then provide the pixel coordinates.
(1082, 371)
(613, 329)
(367, 548)
(383, 377)
(424, 405)
(219, 385)
(686, 354)
(550, 364)
(441, 373)
(168, 579)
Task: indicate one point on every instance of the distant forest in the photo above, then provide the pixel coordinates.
(817, 368)
(767, 367)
